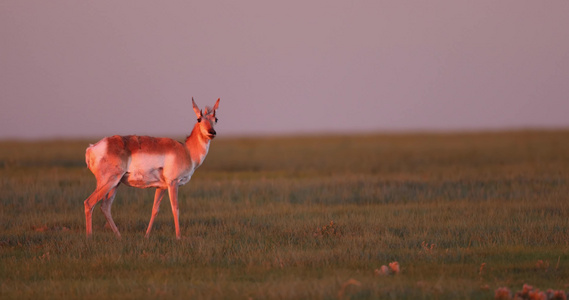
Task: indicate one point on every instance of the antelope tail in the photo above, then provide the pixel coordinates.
(88, 156)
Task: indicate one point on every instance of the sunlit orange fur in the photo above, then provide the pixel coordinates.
(143, 162)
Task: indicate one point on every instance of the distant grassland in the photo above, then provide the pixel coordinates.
(254, 219)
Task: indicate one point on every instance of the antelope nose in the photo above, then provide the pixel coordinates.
(212, 132)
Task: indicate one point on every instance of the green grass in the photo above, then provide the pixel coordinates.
(252, 216)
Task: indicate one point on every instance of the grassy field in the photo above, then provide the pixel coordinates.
(462, 214)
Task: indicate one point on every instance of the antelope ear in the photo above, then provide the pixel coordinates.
(196, 109)
(216, 105)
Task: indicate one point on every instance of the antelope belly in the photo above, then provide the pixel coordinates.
(144, 171)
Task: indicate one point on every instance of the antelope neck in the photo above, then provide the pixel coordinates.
(198, 145)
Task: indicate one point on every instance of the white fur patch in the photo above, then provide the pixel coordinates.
(145, 170)
(96, 152)
(100, 148)
(204, 154)
(141, 162)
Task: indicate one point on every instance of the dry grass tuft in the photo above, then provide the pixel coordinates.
(392, 269)
(330, 230)
(503, 293)
(542, 265)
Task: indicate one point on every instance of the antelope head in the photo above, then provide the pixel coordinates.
(206, 120)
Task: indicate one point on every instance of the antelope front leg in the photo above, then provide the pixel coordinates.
(155, 208)
(173, 194)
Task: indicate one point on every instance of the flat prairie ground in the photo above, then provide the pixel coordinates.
(299, 218)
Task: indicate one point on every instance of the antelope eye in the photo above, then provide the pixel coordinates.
(199, 120)
(215, 120)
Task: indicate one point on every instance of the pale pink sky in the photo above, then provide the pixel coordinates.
(96, 68)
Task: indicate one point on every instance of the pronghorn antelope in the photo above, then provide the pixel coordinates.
(145, 162)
